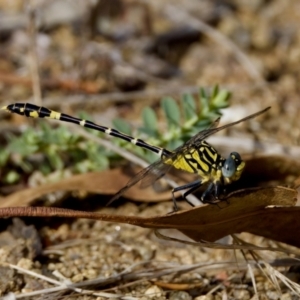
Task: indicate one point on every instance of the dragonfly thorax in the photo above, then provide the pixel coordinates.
(205, 161)
(201, 159)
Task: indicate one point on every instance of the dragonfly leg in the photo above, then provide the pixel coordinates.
(206, 193)
(196, 186)
(192, 186)
(217, 187)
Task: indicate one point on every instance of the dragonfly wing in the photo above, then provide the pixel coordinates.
(204, 134)
(155, 172)
(147, 176)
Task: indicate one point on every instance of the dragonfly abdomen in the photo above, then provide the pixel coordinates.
(34, 111)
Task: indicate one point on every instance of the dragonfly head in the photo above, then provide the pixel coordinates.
(233, 167)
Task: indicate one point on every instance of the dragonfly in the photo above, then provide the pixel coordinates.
(195, 156)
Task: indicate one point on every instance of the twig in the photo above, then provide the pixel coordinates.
(152, 272)
(36, 85)
(61, 286)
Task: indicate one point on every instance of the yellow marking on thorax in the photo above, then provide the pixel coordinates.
(212, 155)
(82, 123)
(204, 165)
(216, 175)
(180, 164)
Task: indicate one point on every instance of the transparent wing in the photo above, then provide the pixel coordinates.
(155, 172)
(204, 134)
(201, 135)
(147, 176)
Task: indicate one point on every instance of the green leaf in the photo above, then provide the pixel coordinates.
(22, 146)
(221, 99)
(171, 110)
(12, 177)
(54, 159)
(149, 119)
(150, 157)
(189, 106)
(173, 144)
(100, 162)
(204, 102)
(215, 91)
(122, 126)
(4, 156)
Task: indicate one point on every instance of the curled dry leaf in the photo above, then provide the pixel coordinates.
(259, 171)
(107, 182)
(262, 170)
(267, 212)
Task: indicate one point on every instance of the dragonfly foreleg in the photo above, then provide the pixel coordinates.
(206, 193)
(192, 186)
(218, 189)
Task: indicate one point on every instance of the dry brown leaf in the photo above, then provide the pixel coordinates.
(106, 182)
(270, 168)
(251, 210)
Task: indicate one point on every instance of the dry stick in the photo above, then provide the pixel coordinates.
(177, 14)
(270, 272)
(61, 286)
(127, 274)
(36, 84)
(220, 285)
(239, 241)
